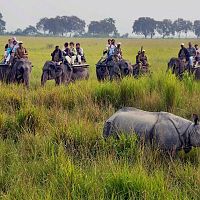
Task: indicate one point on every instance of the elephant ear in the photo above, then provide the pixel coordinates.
(196, 119)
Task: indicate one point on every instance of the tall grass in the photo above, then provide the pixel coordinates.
(51, 144)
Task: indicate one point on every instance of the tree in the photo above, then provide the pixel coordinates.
(18, 32)
(196, 28)
(145, 26)
(104, 27)
(30, 30)
(42, 25)
(75, 25)
(181, 25)
(188, 26)
(61, 25)
(2, 24)
(165, 27)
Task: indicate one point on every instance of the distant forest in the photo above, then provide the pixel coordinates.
(72, 26)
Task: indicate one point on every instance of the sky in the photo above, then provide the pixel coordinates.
(21, 13)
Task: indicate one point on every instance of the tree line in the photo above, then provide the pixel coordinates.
(166, 28)
(74, 26)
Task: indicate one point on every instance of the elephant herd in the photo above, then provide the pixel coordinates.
(64, 73)
(19, 72)
(179, 67)
(114, 70)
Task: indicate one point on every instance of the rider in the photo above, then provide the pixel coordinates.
(192, 54)
(111, 51)
(143, 58)
(57, 55)
(8, 49)
(107, 47)
(66, 53)
(73, 53)
(183, 53)
(197, 58)
(80, 54)
(15, 45)
(21, 52)
(138, 58)
(118, 51)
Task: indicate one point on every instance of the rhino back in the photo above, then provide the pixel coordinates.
(130, 120)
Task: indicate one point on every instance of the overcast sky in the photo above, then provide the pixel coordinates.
(21, 13)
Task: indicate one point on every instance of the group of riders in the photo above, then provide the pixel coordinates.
(71, 54)
(113, 52)
(190, 55)
(14, 50)
(74, 54)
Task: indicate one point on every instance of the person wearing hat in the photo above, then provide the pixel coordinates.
(143, 58)
(183, 53)
(21, 52)
(57, 55)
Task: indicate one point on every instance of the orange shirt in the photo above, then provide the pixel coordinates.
(21, 53)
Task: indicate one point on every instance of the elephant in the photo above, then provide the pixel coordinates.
(167, 131)
(139, 69)
(113, 69)
(62, 73)
(126, 68)
(79, 73)
(18, 72)
(102, 71)
(196, 72)
(177, 66)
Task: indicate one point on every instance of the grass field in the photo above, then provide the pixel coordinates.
(51, 144)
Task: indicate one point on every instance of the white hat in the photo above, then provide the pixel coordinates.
(182, 44)
(119, 43)
(20, 42)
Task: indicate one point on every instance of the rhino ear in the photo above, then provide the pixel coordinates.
(196, 119)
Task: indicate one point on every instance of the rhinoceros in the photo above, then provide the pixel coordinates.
(165, 130)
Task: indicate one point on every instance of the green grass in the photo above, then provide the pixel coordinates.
(51, 144)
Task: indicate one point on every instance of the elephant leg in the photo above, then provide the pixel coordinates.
(99, 78)
(58, 80)
(26, 78)
(44, 78)
(87, 76)
(65, 79)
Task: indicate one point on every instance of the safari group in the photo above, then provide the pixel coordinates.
(188, 61)
(69, 64)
